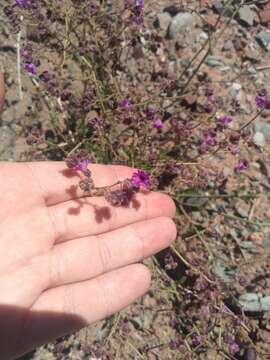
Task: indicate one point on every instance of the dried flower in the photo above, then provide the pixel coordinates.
(86, 184)
(140, 179)
(170, 263)
(120, 197)
(177, 344)
(34, 136)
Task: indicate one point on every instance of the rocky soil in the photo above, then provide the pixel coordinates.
(238, 65)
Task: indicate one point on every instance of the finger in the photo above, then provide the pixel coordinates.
(71, 307)
(58, 183)
(92, 216)
(88, 257)
(2, 90)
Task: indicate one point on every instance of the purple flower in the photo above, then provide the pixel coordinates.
(262, 102)
(158, 124)
(30, 68)
(138, 12)
(224, 121)
(124, 104)
(209, 138)
(82, 165)
(177, 344)
(234, 348)
(79, 162)
(241, 166)
(24, 53)
(140, 179)
(21, 3)
(139, 5)
(196, 339)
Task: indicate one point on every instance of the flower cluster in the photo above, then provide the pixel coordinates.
(119, 194)
(137, 9)
(262, 100)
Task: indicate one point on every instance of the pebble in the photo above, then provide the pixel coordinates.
(213, 61)
(235, 89)
(246, 16)
(228, 45)
(202, 37)
(263, 39)
(259, 139)
(180, 23)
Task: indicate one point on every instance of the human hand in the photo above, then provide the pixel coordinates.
(67, 260)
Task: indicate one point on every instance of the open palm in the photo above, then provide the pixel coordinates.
(68, 260)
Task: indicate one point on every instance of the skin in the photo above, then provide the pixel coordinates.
(66, 260)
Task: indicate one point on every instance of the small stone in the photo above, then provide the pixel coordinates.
(219, 8)
(251, 54)
(263, 39)
(264, 16)
(242, 212)
(163, 21)
(259, 139)
(246, 16)
(202, 37)
(251, 70)
(213, 61)
(264, 128)
(180, 23)
(235, 89)
(210, 21)
(228, 45)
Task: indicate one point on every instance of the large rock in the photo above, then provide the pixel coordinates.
(264, 128)
(264, 16)
(163, 21)
(180, 23)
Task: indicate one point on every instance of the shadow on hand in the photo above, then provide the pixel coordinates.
(102, 213)
(40, 328)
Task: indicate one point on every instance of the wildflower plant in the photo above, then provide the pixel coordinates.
(102, 108)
